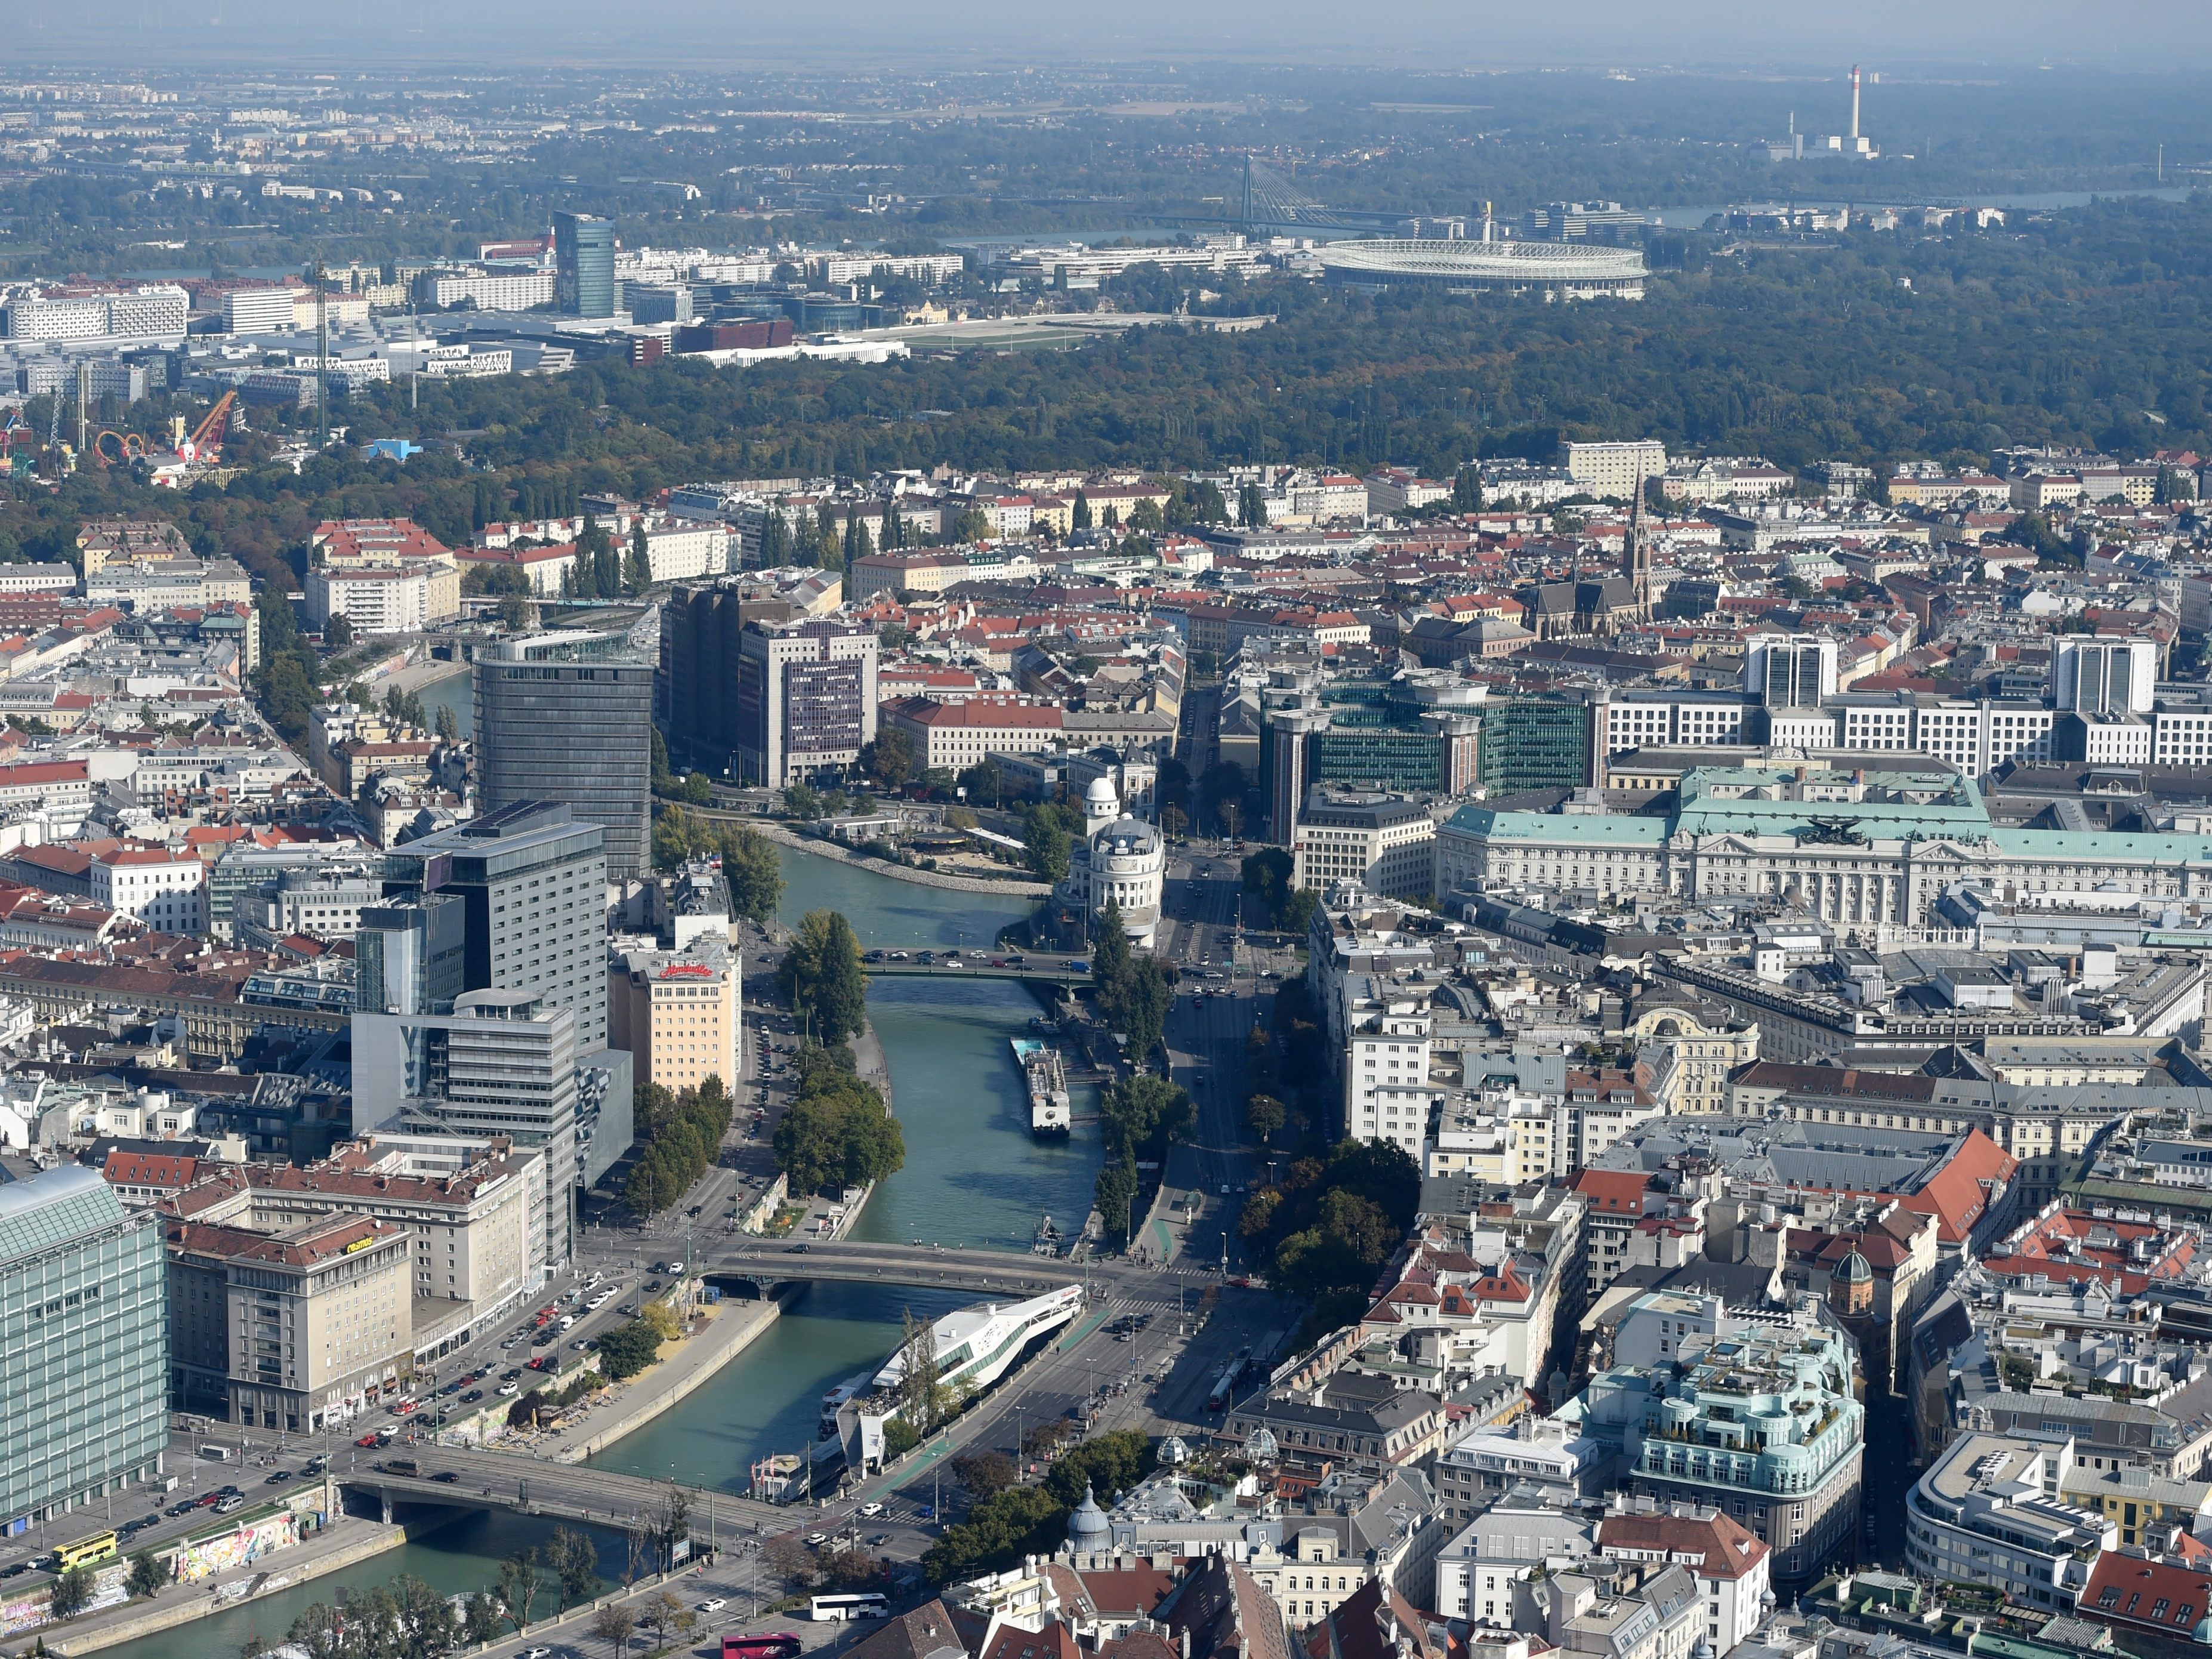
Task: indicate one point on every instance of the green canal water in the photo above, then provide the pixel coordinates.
(973, 1176)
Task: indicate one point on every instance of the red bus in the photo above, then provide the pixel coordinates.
(781, 1645)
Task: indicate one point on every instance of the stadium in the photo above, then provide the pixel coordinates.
(1558, 270)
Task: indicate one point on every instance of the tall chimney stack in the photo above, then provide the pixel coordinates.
(1855, 105)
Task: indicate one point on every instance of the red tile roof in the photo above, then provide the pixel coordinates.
(1717, 1546)
(1618, 1192)
(149, 1169)
(2145, 1595)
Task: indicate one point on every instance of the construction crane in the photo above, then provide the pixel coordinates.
(206, 442)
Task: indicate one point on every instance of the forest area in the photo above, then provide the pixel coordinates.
(2087, 326)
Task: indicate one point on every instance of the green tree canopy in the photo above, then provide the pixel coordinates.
(837, 1132)
(821, 974)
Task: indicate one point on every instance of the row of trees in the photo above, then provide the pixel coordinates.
(821, 977)
(752, 867)
(1140, 1114)
(683, 1136)
(1005, 1522)
(1268, 878)
(600, 570)
(837, 1132)
(1326, 1226)
(407, 1619)
(1133, 992)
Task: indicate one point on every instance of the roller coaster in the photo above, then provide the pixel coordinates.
(115, 447)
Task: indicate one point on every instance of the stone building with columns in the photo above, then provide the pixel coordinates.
(1855, 848)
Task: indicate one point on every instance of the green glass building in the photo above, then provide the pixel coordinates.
(84, 1345)
(1533, 743)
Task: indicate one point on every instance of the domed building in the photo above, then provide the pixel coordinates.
(1121, 860)
(1850, 1285)
(1089, 1532)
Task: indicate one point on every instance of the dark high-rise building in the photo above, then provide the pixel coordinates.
(769, 702)
(584, 264)
(568, 717)
(533, 884)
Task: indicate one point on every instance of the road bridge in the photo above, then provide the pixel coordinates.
(560, 1491)
(1057, 975)
(982, 1272)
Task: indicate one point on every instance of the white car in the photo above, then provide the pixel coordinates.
(538, 1653)
(870, 1511)
(506, 1388)
(714, 1604)
(815, 1540)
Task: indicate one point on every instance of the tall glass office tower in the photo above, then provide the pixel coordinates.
(568, 717)
(84, 1344)
(584, 264)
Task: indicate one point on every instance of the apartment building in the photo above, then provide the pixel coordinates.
(164, 889)
(372, 601)
(1989, 1512)
(291, 1328)
(471, 1206)
(1615, 471)
(1760, 1425)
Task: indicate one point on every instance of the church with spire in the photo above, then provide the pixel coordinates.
(1582, 605)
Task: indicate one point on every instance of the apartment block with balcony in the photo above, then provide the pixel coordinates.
(1759, 1423)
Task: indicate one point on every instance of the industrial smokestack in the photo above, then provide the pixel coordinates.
(1855, 105)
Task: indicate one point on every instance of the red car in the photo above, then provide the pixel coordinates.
(366, 1440)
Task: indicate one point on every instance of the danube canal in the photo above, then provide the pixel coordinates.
(973, 1176)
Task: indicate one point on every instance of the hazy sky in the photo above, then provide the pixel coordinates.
(2161, 36)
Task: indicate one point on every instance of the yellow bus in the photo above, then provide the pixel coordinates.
(86, 1552)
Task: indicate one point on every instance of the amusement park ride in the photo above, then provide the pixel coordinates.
(195, 455)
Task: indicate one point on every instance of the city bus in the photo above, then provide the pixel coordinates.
(85, 1553)
(862, 1604)
(781, 1645)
